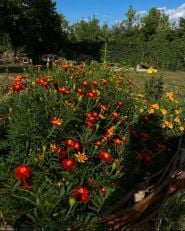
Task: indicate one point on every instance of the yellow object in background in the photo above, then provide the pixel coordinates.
(151, 70)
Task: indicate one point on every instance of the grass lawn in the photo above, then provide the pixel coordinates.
(173, 81)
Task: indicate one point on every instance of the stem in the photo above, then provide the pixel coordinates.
(105, 52)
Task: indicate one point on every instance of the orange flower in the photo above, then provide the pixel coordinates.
(106, 139)
(58, 150)
(65, 67)
(170, 96)
(151, 111)
(63, 90)
(155, 106)
(110, 131)
(103, 107)
(81, 157)
(115, 115)
(95, 83)
(118, 142)
(42, 81)
(72, 144)
(56, 122)
(102, 117)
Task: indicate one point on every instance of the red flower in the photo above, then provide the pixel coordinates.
(118, 142)
(17, 87)
(95, 83)
(80, 92)
(146, 156)
(102, 190)
(67, 164)
(119, 103)
(59, 150)
(85, 84)
(104, 81)
(57, 61)
(81, 193)
(17, 83)
(41, 82)
(105, 156)
(73, 144)
(65, 67)
(91, 119)
(98, 143)
(23, 172)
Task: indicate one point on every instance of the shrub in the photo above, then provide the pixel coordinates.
(67, 136)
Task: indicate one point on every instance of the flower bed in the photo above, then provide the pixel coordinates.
(67, 138)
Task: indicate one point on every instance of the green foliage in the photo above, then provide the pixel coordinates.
(100, 110)
(154, 88)
(27, 134)
(172, 216)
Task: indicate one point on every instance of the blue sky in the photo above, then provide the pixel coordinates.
(111, 11)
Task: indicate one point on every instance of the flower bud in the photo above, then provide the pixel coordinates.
(72, 201)
(114, 165)
(44, 148)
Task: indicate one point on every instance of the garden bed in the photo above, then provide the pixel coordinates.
(77, 139)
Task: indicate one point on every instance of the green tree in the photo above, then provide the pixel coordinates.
(86, 30)
(106, 37)
(151, 23)
(131, 18)
(41, 26)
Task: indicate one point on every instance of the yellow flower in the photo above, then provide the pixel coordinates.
(164, 111)
(177, 112)
(168, 124)
(155, 106)
(170, 96)
(81, 157)
(141, 110)
(151, 111)
(140, 95)
(40, 157)
(181, 128)
(177, 120)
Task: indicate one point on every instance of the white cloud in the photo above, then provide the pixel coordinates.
(175, 13)
(142, 12)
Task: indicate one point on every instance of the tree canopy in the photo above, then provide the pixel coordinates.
(36, 26)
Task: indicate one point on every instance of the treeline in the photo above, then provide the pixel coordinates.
(37, 28)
